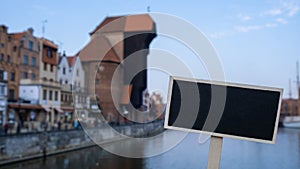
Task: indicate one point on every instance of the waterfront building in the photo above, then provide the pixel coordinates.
(74, 99)
(112, 41)
(289, 107)
(48, 60)
(3, 97)
(40, 103)
(10, 61)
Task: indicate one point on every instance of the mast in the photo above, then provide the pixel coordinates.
(290, 89)
(297, 73)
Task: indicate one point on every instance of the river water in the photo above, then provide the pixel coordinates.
(188, 154)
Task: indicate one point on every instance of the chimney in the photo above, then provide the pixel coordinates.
(30, 30)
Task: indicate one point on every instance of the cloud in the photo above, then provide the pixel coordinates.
(218, 35)
(281, 20)
(292, 7)
(274, 12)
(271, 25)
(244, 17)
(247, 28)
(287, 7)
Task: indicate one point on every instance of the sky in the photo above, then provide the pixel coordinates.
(257, 41)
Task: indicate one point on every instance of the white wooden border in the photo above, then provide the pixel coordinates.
(172, 78)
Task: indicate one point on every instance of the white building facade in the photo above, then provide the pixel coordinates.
(3, 97)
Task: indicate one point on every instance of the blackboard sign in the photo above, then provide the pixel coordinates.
(223, 109)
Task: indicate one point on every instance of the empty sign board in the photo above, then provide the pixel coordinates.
(223, 109)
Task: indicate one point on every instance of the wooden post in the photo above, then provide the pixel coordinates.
(214, 155)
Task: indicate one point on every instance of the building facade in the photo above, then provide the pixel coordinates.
(112, 41)
(10, 61)
(74, 99)
(48, 60)
(3, 97)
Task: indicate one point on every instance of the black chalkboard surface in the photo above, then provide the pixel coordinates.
(223, 109)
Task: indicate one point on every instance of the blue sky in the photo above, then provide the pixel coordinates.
(257, 41)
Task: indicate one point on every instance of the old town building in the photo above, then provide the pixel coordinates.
(115, 39)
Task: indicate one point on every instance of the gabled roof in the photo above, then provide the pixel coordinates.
(103, 23)
(98, 49)
(128, 23)
(19, 35)
(71, 60)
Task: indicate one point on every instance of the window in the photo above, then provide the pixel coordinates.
(66, 82)
(1, 57)
(62, 97)
(12, 76)
(33, 61)
(8, 59)
(60, 81)
(30, 45)
(15, 48)
(64, 70)
(11, 94)
(97, 81)
(77, 72)
(45, 66)
(33, 76)
(44, 94)
(2, 89)
(56, 95)
(50, 94)
(25, 60)
(49, 52)
(1, 75)
(24, 75)
(2, 45)
(51, 68)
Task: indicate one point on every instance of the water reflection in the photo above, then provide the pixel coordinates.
(189, 153)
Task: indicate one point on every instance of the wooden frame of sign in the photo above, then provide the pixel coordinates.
(250, 112)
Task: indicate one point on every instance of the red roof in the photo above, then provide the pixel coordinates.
(19, 35)
(129, 23)
(101, 48)
(106, 21)
(71, 60)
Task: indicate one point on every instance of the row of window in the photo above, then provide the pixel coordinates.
(2, 57)
(26, 60)
(66, 98)
(25, 75)
(50, 95)
(51, 67)
(72, 86)
(30, 46)
(64, 71)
